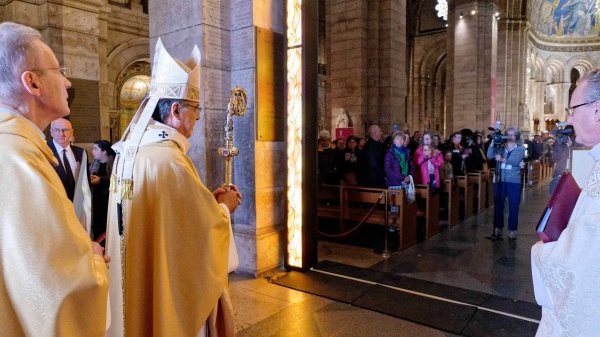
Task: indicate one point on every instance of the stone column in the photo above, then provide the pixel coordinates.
(511, 66)
(259, 224)
(540, 88)
(471, 73)
(103, 73)
(347, 61)
(564, 102)
(393, 86)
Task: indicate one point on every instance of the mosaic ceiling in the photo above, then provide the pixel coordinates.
(566, 18)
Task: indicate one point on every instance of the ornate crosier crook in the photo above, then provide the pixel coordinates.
(237, 106)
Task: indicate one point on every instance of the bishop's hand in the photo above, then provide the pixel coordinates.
(231, 198)
(98, 250)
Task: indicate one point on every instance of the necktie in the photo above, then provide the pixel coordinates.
(70, 179)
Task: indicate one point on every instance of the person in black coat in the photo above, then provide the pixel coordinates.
(100, 172)
(372, 171)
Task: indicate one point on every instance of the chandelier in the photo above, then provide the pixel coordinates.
(442, 9)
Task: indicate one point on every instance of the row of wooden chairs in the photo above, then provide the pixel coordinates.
(462, 197)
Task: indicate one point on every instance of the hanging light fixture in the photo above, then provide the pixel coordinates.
(442, 9)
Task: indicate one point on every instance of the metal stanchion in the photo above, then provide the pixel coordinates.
(386, 253)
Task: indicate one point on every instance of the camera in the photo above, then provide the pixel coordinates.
(562, 132)
(498, 138)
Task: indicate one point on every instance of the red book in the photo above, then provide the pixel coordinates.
(559, 208)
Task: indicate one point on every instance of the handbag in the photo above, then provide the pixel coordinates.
(410, 190)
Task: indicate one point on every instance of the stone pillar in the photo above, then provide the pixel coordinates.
(538, 97)
(347, 61)
(103, 73)
(561, 113)
(227, 31)
(511, 66)
(373, 69)
(259, 223)
(471, 73)
(393, 85)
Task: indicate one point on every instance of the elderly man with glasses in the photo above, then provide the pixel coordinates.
(168, 234)
(53, 279)
(566, 273)
(70, 157)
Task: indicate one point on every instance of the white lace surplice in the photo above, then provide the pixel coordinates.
(566, 273)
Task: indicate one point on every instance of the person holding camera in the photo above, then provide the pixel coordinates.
(560, 152)
(509, 160)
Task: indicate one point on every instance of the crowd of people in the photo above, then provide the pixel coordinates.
(383, 161)
(380, 160)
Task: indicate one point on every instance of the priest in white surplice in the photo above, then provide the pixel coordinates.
(168, 235)
(566, 273)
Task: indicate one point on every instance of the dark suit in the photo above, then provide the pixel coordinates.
(373, 173)
(69, 186)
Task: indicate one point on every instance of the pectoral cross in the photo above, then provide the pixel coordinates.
(163, 135)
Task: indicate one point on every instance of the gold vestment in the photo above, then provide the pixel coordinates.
(174, 244)
(51, 284)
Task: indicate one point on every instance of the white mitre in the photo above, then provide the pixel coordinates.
(171, 79)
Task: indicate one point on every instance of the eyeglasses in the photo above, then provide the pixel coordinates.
(61, 130)
(571, 110)
(66, 72)
(190, 106)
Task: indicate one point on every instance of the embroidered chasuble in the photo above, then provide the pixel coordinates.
(51, 284)
(566, 273)
(169, 243)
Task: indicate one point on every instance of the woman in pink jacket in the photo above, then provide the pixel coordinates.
(427, 162)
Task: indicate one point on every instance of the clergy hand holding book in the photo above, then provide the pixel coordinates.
(559, 208)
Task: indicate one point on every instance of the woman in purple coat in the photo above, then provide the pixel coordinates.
(397, 163)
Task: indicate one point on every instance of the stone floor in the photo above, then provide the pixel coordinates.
(460, 257)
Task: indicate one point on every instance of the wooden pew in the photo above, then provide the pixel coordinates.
(533, 173)
(488, 176)
(404, 219)
(466, 196)
(350, 197)
(479, 190)
(430, 210)
(450, 191)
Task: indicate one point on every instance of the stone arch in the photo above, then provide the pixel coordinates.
(430, 104)
(429, 62)
(122, 57)
(584, 66)
(539, 67)
(554, 71)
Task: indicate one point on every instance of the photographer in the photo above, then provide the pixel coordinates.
(560, 151)
(509, 157)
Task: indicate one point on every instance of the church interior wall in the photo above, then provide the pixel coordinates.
(428, 82)
(365, 55)
(551, 82)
